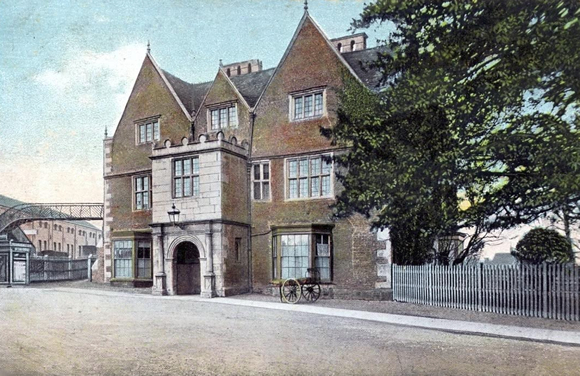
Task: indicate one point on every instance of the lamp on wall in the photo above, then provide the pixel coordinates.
(173, 215)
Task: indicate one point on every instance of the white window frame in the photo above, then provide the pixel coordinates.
(309, 177)
(130, 268)
(149, 129)
(141, 192)
(292, 97)
(262, 180)
(227, 122)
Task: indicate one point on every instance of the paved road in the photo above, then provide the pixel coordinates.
(44, 332)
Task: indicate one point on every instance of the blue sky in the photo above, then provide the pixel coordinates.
(67, 68)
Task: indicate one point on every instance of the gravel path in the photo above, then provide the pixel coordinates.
(370, 306)
(50, 332)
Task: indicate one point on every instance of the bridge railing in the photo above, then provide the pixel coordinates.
(22, 213)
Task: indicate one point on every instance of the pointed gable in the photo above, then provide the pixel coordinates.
(223, 94)
(310, 63)
(152, 97)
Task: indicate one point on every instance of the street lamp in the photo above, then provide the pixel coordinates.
(173, 215)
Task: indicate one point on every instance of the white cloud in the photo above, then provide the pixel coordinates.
(86, 76)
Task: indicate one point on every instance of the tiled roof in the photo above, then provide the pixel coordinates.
(190, 95)
(251, 85)
(9, 202)
(359, 62)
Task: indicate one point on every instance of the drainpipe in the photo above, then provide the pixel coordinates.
(249, 201)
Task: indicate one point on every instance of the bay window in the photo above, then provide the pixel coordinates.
(294, 251)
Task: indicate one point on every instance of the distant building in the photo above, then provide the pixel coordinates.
(501, 259)
(243, 160)
(74, 239)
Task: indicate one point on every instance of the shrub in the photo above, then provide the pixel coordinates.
(541, 245)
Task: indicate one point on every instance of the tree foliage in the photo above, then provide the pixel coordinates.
(475, 124)
(541, 245)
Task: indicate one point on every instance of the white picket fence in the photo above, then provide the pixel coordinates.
(549, 291)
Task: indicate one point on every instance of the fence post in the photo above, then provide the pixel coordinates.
(544, 291)
(479, 286)
(89, 270)
(69, 267)
(44, 268)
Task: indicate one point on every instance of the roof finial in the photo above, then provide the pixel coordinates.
(306, 5)
(148, 47)
(221, 64)
(106, 133)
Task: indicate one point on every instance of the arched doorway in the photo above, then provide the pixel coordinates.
(188, 280)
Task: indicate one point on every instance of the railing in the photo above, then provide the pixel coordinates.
(19, 214)
(549, 291)
(59, 269)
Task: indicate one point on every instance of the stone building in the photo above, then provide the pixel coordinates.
(243, 160)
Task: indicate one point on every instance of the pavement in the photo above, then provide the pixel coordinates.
(410, 315)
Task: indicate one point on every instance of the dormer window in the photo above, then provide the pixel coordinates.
(307, 105)
(339, 47)
(148, 131)
(352, 45)
(223, 117)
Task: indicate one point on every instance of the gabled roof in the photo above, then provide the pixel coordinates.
(307, 17)
(359, 62)
(251, 85)
(191, 95)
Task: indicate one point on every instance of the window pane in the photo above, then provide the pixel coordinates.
(292, 169)
(195, 163)
(325, 185)
(142, 133)
(318, 104)
(266, 171)
(233, 117)
(257, 172)
(303, 168)
(186, 186)
(178, 168)
(304, 187)
(293, 188)
(149, 132)
(315, 166)
(139, 201)
(326, 167)
(156, 135)
(257, 192)
(315, 187)
(187, 167)
(196, 185)
(266, 190)
(145, 200)
(223, 117)
(139, 183)
(298, 108)
(308, 106)
(178, 190)
(215, 119)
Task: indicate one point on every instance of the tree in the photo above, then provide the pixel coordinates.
(475, 125)
(541, 245)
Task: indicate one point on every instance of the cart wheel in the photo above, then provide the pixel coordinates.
(311, 291)
(291, 291)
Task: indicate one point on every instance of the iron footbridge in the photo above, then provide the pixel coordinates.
(19, 214)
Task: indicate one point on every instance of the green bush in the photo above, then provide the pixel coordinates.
(541, 245)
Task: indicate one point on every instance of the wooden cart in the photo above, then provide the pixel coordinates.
(294, 289)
